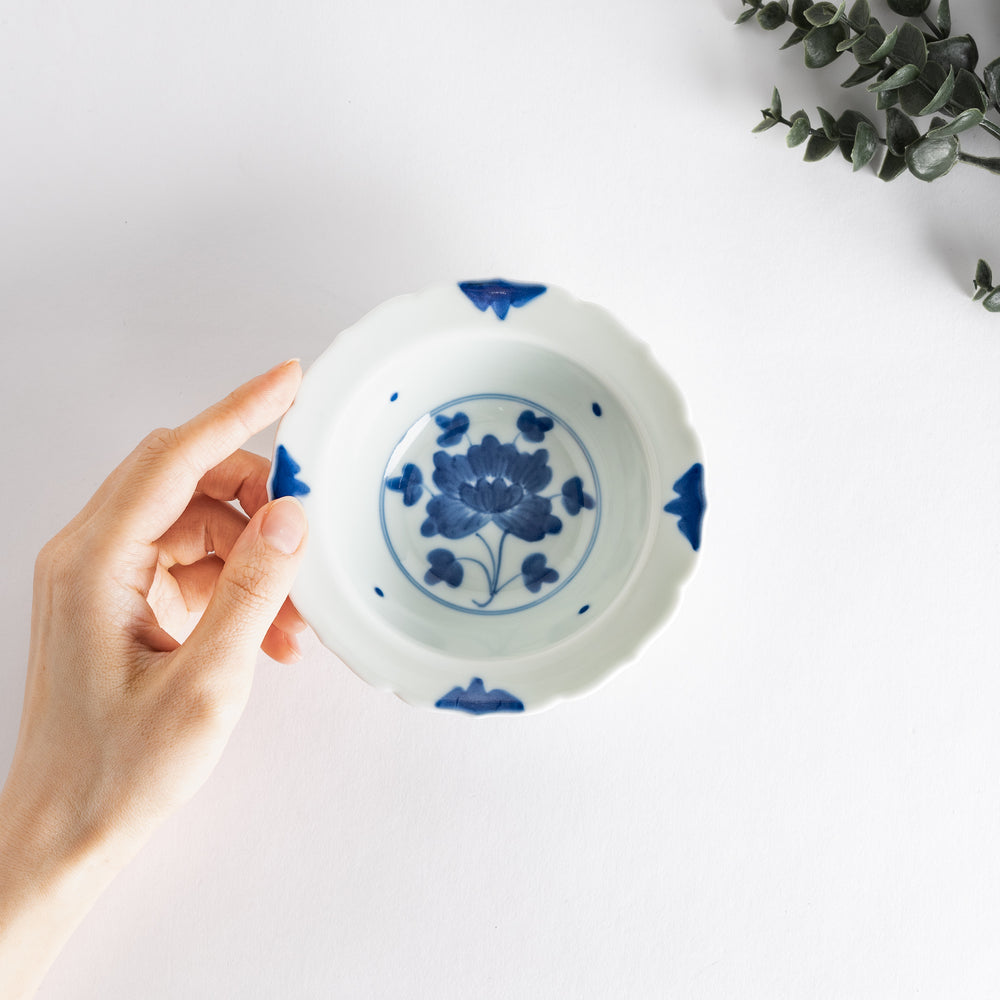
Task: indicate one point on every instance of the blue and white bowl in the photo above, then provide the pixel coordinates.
(504, 496)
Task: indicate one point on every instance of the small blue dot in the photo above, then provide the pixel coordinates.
(586, 607)
(596, 407)
(394, 397)
(378, 590)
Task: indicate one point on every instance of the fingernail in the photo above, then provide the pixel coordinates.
(284, 525)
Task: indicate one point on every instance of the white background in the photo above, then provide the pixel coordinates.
(795, 792)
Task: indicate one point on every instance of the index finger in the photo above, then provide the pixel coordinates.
(163, 473)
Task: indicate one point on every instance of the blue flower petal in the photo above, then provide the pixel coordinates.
(529, 519)
(452, 518)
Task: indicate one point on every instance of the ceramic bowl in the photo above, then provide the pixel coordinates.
(504, 496)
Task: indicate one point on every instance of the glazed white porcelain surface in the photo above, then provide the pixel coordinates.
(504, 496)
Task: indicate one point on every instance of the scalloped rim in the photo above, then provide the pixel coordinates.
(616, 637)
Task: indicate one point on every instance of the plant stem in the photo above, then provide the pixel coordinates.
(990, 163)
(930, 24)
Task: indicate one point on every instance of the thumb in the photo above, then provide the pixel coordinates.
(253, 584)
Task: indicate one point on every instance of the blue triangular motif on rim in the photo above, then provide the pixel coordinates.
(477, 700)
(285, 481)
(499, 294)
(690, 503)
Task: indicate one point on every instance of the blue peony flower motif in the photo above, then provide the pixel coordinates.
(573, 497)
(534, 572)
(408, 484)
(533, 428)
(444, 568)
(491, 482)
(453, 429)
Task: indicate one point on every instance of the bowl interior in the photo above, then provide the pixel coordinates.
(486, 498)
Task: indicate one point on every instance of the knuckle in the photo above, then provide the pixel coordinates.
(160, 441)
(248, 585)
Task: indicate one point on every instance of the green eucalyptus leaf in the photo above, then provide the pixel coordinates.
(799, 131)
(959, 51)
(766, 123)
(911, 46)
(888, 44)
(914, 97)
(861, 75)
(746, 15)
(829, 124)
(969, 92)
(984, 275)
(904, 75)
(847, 125)
(821, 45)
(944, 18)
(886, 99)
(794, 38)
(892, 167)
(909, 8)
(969, 118)
(865, 145)
(819, 15)
(848, 43)
(992, 301)
(981, 293)
(929, 159)
(861, 13)
(991, 77)
(867, 44)
(772, 15)
(942, 95)
(775, 108)
(900, 131)
(819, 147)
(799, 8)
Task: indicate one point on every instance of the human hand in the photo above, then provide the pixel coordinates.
(123, 722)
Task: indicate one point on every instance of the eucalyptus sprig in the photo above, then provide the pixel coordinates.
(913, 74)
(985, 290)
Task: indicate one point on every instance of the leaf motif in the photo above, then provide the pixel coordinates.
(865, 145)
(904, 75)
(765, 124)
(848, 124)
(886, 99)
(992, 301)
(888, 44)
(929, 159)
(746, 15)
(914, 97)
(799, 8)
(943, 95)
